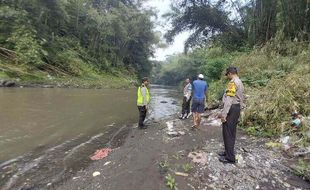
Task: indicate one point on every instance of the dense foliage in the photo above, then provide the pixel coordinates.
(267, 40)
(234, 25)
(70, 36)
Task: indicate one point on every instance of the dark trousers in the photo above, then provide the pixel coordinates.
(229, 131)
(186, 106)
(142, 115)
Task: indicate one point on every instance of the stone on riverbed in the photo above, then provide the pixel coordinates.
(6, 83)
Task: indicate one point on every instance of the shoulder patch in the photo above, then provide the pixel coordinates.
(231, 89)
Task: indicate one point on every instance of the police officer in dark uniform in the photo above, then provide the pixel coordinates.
(233, 101)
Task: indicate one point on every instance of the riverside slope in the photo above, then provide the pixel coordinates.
(147, 156)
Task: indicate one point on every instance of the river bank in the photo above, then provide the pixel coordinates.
(47, 135)
(169, 153)
(76, 124)
(21, 76)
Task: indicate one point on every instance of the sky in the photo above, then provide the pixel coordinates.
(162, 7)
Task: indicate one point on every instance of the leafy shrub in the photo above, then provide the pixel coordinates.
(28, 49)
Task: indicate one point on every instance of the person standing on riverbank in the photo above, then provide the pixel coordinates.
(143, 101)
(233, 101)
(187, 96)
(200, 95)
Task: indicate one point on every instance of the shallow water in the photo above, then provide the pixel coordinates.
(39, 117)
(52, 132)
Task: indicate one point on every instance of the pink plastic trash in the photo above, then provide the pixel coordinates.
(100, 154)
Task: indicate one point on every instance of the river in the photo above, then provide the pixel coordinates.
(53, 131)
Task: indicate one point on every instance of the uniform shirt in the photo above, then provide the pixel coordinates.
(143, 92)
(187, 91)
(233, 95)
(200, 88)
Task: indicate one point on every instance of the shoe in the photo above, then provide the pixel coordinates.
(142, 127)
(223, 153)
(184, 116)
(188, 115)
(181, 116)
(225, 161)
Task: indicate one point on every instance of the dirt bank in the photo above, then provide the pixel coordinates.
(148, 156)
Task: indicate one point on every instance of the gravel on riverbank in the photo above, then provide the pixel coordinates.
(148, 157)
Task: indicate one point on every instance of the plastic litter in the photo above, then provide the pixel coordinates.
(273, 145)
(199, 157)
(107, 163)
(181, 174)
(100, 154)
(285, 140)
(296, 119)
(96, 174)
(240, 160)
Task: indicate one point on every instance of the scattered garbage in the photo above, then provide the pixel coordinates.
(285, 142)
(172, 131)
(100, 154)
(96, 174)
(240, 160)
(199, 157)
(296, 119)
(273, 144)
(111, 125)
(181, 133)
(256, 166)
(107, 163)
(181, 174)
(74, 178)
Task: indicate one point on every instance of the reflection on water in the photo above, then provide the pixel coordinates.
(32, 118)
(47, 134)
(164, 102)
(37, 117)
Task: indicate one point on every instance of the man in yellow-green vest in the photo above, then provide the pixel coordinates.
(143, 101)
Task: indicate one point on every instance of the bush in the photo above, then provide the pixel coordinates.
(286, 88)
(28, 50)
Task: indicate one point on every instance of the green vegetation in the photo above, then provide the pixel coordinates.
(267, 40)
(170, 181)
(187, 167)
(89, 40)
(276, 85)
(164, 165)
(302, 168)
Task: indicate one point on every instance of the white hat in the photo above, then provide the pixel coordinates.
(200, 76)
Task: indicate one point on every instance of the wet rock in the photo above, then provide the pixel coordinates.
(181, 133)
(172, 133)
(47, 86)
(7, 83)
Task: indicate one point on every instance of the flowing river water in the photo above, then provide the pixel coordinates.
(52, 132)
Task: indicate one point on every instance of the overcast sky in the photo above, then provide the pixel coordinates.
(162, 7)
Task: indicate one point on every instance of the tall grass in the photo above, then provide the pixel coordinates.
(276, 85)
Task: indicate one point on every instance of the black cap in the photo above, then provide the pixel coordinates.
(232, 70)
